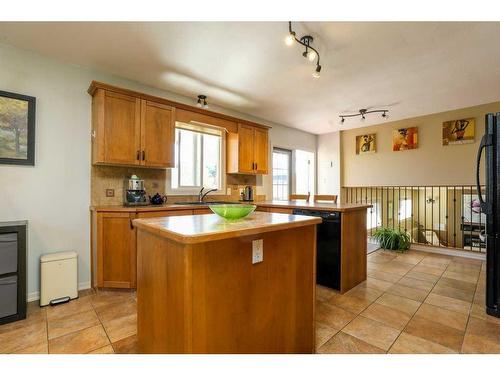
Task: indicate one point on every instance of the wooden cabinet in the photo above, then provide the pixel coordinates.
(248, 150)
(157, 134)
(127, 130)
(114, 245)
(115, 250)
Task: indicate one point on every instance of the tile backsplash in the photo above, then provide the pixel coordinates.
(111, 177)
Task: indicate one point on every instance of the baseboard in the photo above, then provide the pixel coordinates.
(445, 251)
(35, 296)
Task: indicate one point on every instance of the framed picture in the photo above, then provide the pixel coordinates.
(458, 132)
(17, 129)
(472, 209)
(405, 139)
(365, 144)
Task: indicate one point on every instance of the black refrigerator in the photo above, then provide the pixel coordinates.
(490, 205)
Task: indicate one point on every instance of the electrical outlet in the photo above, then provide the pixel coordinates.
(257, 251)
(228, 191)
(110, 192)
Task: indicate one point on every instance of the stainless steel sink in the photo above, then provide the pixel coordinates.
(196, 203)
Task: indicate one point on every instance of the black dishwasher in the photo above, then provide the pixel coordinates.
(328, 247)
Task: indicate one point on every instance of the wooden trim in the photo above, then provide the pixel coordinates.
(95, 85)
(117, 284)
(186, 116)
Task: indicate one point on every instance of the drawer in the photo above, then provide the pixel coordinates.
(143, 215)
(8, 296)
(8, 253)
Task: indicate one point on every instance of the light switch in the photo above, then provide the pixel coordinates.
(257, 251)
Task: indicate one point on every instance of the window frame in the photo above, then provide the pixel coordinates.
(190, 190)
(290, 170)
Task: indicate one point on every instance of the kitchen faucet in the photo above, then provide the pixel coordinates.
(201, 195)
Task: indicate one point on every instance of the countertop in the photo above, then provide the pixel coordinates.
(320, 206)
(151, 207)
(202, 228)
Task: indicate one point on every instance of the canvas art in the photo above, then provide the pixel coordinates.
(459, 131)
(405, 139)
(472, 209)
(365, 144)
(17, 129)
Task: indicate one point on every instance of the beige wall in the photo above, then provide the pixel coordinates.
(430, 164)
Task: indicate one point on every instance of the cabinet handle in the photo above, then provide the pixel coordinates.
(138, 155)
(143, 155)
(131, 225)
(255, 166)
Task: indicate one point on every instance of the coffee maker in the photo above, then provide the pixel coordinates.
(135, 194)
(247, 194)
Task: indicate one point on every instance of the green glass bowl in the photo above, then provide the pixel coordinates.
(232, 211)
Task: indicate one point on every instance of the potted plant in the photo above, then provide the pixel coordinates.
(392, 239)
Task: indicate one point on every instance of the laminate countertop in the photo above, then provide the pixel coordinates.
(201, 228)
(320, 206)
(149, 208)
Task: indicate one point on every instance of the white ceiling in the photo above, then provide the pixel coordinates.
(411, 69)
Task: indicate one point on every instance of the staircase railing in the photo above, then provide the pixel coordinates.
(444, 216)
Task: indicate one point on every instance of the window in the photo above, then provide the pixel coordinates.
(304, 172)
(198, 158)
(404, 209)
(282, 173)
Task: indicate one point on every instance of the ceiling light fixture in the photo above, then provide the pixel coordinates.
(363, 112)
(310, 52)
(202, 102)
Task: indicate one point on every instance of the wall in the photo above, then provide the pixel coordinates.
(329, 163)
(430, 164)
(54, 195)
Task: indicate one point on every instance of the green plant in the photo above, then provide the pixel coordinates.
(392, 239)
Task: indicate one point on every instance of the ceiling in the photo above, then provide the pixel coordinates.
(411, 68)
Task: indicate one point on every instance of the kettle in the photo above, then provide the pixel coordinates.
(247, 195)
(157, 199)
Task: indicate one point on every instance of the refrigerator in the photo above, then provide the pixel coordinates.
(490, 205)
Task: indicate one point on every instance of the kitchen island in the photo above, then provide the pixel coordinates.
(341, 250)
(202, 289)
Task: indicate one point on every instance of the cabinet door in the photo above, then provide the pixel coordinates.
(261, 150)
(116, 250)
(245, 149)
(157, 134)
(121, 129)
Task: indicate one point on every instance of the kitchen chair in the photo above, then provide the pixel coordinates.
(325, 198)
(294, 197)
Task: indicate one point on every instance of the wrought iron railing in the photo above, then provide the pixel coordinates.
(443, 216)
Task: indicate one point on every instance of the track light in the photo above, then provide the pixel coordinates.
(310, 52)
(290, 39)
(362, 112)
(317, 71)
(311, 55)
(202, 102)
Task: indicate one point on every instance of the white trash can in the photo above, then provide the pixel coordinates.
(58, 277)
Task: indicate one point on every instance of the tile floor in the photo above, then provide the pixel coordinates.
(411, 303)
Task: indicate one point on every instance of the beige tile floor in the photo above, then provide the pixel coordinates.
(411, 303)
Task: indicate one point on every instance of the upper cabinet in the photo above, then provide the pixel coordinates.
(157, 134)
(130, 128)
(127, 130)
(248, 150)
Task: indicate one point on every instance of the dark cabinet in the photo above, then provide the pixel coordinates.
(12, 271)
